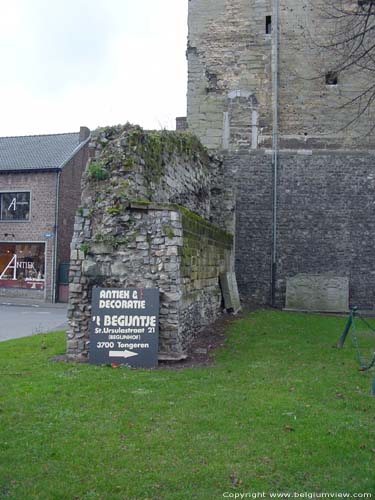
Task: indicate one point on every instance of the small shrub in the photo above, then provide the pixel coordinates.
(97, 171)
(168, 231)
(113, 210)
(129, 163)
(85, 248)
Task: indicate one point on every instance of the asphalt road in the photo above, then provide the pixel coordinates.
(18, 321)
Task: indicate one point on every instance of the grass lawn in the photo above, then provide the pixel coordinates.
(280, 411)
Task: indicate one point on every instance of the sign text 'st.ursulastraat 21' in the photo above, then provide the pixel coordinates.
(125, 326)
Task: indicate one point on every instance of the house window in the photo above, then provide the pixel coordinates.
(22, 265)
(14, 206)
(268, 25)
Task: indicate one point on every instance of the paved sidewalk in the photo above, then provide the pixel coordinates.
(21, 318)
(26, 302)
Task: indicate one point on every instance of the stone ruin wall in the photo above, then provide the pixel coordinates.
(144, 221)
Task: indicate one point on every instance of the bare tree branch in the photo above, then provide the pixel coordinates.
(348, 37)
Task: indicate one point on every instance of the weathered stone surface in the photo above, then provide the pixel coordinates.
(148, 244)
(75, 288)
(317, 293)
(230, 78)
(229, 288)
(325, 210)
(89, 268)
(325, 221)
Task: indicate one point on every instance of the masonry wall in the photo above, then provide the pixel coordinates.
(325, 221)
(42, 186)
(231, 57)
(228, 51)
(313, 115)
(126, 235)
(253, 222)
(166, 247)
(325, 171)
(69, 199)
(163, 167)
(206, 252)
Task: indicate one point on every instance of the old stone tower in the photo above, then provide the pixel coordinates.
(261, 93)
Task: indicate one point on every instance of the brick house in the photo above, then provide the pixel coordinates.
(40, 178)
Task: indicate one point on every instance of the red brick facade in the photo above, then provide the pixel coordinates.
(42, 187)
(69, 199)
(54, 199)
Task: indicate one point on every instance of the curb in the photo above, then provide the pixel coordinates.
(43, 305)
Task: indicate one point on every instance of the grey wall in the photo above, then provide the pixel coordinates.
(228, 51)
(127, 236)
(326, 221)
(161, 246)
(326, 181)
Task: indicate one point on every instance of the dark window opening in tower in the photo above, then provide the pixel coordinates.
(268, 25)
(332, 78)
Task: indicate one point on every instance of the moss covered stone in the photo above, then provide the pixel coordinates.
(138, 233)
(194, 224)
(97, 171)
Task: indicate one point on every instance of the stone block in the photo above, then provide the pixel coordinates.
(90, 268)
(101, 248)
(175, 216)
(75, 288)
(323, 293)
(229, 289)
(171, 297)
(72, 345)
(143, 245)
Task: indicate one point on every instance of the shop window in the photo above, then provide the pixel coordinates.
(15, 206)
(22, 265)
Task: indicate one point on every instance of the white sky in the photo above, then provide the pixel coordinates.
(67, 63)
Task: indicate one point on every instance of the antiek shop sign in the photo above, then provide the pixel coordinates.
(125, 326)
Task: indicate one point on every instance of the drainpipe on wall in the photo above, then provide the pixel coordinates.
(275, 156)
(54, 259)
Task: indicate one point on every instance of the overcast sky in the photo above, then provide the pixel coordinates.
(67, 63)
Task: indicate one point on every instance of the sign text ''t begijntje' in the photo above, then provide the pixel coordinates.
(125, 326)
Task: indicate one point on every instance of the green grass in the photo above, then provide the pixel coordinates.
(281, 410)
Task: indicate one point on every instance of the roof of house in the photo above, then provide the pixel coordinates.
(38, 152)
